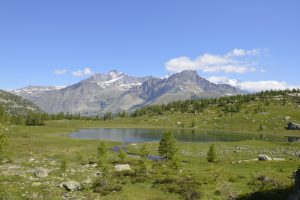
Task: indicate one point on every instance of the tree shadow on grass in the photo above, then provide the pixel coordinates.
(275, 194)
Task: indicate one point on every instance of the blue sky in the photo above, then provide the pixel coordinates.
(252, 41)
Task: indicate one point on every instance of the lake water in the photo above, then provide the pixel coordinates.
(134, 135)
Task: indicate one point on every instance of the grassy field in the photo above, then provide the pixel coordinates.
(228, 178)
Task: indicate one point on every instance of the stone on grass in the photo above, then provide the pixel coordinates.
(71, 186)
(125, 167)
(41, 172)
(278, 159)
(264, 158)
(36, 184)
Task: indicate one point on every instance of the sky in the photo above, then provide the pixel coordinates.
(253, 44)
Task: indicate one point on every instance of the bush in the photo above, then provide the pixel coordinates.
(3, 154)
(212, 155)
(122, 154)
(63, 167)
(187, 187)
(104, 188)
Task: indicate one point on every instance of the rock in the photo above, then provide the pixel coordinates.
(286, 118)
(179, 123)
(71, 186)
(93, 165)
(263, 178)
(119, 168)
(32, 178)
(278, 159)
(264, 158)
(293, 126)
(36, 184)
(41, 172)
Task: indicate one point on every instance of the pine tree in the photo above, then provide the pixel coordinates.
(212, 155)
(144, 162)
(102, 155)
(103, 163)
(144, 151)
(167, 146)
(122, 154)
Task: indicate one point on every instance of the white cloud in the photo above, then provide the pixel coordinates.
(60, 71)
(214, 63)
(85, 72)
(253, 86)
(243, 52)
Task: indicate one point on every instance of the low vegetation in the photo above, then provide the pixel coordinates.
(86, 169)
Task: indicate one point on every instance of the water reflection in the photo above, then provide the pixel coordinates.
(132, 135)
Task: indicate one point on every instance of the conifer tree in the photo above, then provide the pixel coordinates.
(167, 146)
(102, 162)
(212, 155)
(122, 154)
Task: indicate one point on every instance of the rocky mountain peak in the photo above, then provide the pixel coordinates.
(115, 91)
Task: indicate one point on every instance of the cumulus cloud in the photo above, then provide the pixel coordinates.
(253, 86)
(60, 71)
(85, 72)
(227, 63)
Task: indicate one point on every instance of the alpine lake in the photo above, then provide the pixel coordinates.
(136, 135)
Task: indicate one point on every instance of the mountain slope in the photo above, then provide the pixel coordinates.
(14, 104)
(116, 91)
(179, 86)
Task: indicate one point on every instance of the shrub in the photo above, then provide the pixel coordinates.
(3, 144)
(122, 154)
(63, 167)
(212, 155)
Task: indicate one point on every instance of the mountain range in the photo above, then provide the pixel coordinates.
(115, 91)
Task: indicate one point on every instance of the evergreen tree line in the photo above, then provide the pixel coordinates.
(229, 104)
(38, 118)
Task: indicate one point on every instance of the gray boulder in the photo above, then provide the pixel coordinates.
(71, 186)
(36, 184)
(293, 126)
(119, 168)
(41, 172)
(264, 158)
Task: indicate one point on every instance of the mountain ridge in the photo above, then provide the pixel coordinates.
(116, 91)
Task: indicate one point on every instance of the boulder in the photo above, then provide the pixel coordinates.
(293, 126)
(264, 158)
(41, 172)
(125, 167)
(71, 186)
(36, 184)
(278, 159)
(179, 123)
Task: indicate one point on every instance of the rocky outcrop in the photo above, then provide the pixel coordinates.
(296, 193)
(119, 168)
(41, 172)
(293, 126)
(71, 186)
(116, 91)
(264, 158)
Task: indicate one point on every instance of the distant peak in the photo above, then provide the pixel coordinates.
(185, 73)
(115, 72)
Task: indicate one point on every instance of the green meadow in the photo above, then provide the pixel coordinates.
(234, 175)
